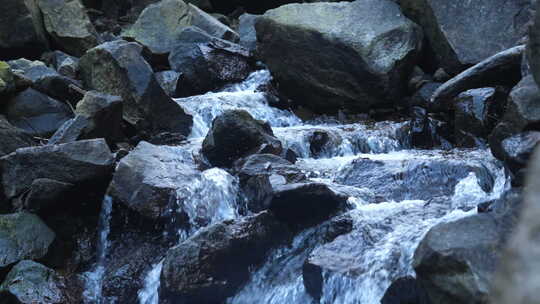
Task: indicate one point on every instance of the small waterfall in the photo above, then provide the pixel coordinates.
(94, 278)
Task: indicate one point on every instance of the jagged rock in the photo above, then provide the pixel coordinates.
(76, 163)
(18, 35)
(456, 260)
(29, 282)
(210, 65)
(68, 25)
(12, 138)
(36, 113)
(44, 193)
(235, 134)
(160, 24)
(63, 63)
(467, 32)
(170, 82)
(23, 236)
(503, 69)
(97, 116)
(117, 68)
(210, 266)
(246, 30)
(366, 49)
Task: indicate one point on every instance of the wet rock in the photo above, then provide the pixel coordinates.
(76, 163)
(235, 134)
(522, 111)
(117, 68)
(97, 116)
(304, 204)
(352, 69)
(68, 25)
(146, 179)
(456, 260)
(405, 290)
(44, 193)
(63, 63)
(210, 266)
(36, 113)
(30, 282)
(246, 30)
(503, 68)
(19, 37)
(23, 236)
(208, 66)
(466, 33)
(516, 151)
(170, 82)
(12, 138)
(159, 25)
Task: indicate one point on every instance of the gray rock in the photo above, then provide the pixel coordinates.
(533, 46)
(117, 68)
(501, 69)
(45, 193)
(30, 282)
(170, 82)
(235, 134)
(76, 163)
(36, 113)
(467, 32)
(23, 236)
(13, 138)
(63, 63)
(68, 25)
(522, 108)
(246, 30)
(365, 51)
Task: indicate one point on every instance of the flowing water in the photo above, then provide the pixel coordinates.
(398, 193)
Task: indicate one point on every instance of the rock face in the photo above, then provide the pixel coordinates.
(160, 24)
(247, 32)
(45, 193)
(117, 68)
(211, 265)
(76, 163)
(29, 282)
(68, 25)
(36, 113)
(235, 134)
(23, 236)
(456, 260)
(468, 32)
(366, 50)
(12, 138)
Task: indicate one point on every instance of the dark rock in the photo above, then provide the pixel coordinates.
(441, 75)
(405, 290)
(68, 25)
(422, 97)
(97, 116)
(500, 69)
(117, 68)
(12, 138)
(358, 65)
(170, 82)
(246, 30)
(44, 193)
(63, 63)
(29, 282)
(466, 33)
(208, 66)
(533, 54)
(76, 163)
(259, 7)
(456, 260)
(522, 111)
(210, 266)
(305, 204)
(235, 134)
(417, 79)
(36, 113)
(23, 236)
(517, 149)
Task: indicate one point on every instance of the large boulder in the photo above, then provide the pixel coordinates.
(23, 236)
(36, 113)
(160, 24)
(365, 51)
(236, 134)
(12, 138)
(29, 282)
(118, 68)
(88, 161)
(467, 32)
(210, 266)
(456, 260)
(68, 25)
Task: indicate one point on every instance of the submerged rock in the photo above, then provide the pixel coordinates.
(365, 51)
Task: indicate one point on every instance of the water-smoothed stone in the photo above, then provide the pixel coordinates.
(366, 49)
(36, 113)
(68, 25)
(117, 68)
(236, 134)
(503, 69)
(12, 138)
(88, 161)
(467, 32)
(29, 282)
(23, 236)
(456, 260)
(211, 265)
